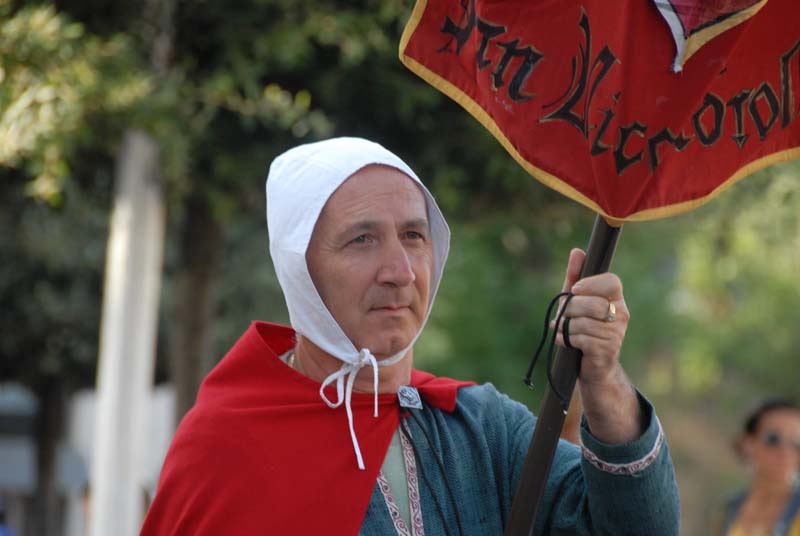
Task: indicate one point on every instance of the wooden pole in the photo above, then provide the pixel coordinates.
(551, 416)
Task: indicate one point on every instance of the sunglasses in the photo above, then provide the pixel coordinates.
(774, 440)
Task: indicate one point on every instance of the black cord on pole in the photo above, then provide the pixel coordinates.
(551, 348)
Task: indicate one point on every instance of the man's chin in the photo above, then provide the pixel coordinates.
(384, 349)
(384, 357)
(386, 339)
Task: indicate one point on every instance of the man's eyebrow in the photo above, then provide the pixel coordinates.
(358, 227)
(371, 225)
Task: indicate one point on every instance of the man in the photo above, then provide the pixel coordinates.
(326, 428)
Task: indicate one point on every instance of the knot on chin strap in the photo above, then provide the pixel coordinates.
(345, 377)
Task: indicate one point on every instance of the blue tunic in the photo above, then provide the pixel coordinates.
(624, 489)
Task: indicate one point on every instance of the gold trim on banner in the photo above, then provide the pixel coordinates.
(411, 26)
(743, 172)
(455, 93)
(696, 41)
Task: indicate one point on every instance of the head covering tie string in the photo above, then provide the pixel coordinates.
(345, 377)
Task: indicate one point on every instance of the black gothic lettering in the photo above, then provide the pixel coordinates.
(789, 112)
(459, 33)
(771, 99)
(664, 136)
(597, 145)
(718, 108)
(737, 103)
(577, 89)
(488, 32)
(530, 58)
(622, 161)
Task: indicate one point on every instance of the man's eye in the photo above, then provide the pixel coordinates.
(414, 235)
(360, 239)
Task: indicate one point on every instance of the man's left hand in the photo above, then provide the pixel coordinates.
(598, 322)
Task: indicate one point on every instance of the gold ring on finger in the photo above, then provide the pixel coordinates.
(611, 312)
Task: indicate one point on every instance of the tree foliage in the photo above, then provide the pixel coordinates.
(54, 79)
(737, 286)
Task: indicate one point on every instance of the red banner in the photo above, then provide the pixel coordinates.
(695, 22)
(585, 98)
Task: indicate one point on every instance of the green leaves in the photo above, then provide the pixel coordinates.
(737, 284)
(54, 77)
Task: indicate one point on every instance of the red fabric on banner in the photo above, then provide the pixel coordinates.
(582, 94)
(260, 452)
(697, 14)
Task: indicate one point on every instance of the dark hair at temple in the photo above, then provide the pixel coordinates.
(766, 406)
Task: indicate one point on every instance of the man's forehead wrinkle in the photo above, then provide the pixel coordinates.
(366, 179)
(416, 223)
(365, 205)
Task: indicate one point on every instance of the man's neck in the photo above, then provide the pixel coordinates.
(313, 362)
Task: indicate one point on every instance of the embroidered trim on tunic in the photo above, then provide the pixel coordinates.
(414, 503)
(631, 468)
(397, 518)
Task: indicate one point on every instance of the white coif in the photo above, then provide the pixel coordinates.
(299, 184)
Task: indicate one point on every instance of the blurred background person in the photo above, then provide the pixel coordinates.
(4, 530)
(770, 445)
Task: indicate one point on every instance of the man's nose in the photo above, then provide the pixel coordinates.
(396, 268)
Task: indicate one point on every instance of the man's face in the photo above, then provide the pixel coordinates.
(371, 259)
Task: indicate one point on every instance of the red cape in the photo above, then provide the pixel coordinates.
(261, 453)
